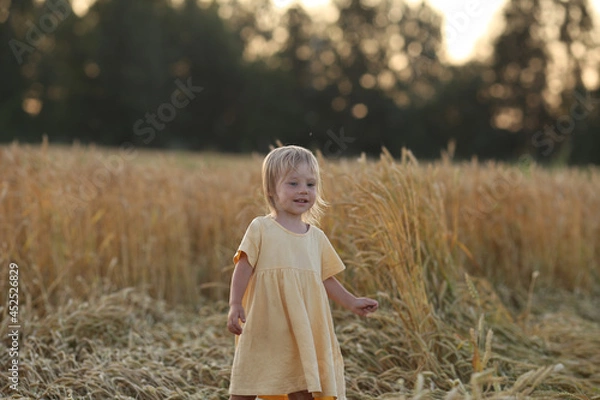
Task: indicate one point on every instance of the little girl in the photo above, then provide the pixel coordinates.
(283, 276)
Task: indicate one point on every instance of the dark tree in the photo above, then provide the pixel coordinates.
(535, 72)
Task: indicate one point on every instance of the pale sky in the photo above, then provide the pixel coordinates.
(465, 21)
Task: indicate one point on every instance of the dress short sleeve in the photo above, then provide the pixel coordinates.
(250, 243)
(331, 263)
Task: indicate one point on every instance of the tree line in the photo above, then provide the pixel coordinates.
(237, 76)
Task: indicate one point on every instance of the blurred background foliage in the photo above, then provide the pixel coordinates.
(237, 75)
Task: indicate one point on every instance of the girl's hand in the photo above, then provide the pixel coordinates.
(236, 313)
(363, 306)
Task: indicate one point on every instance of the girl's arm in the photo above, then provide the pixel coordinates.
(239, 282)
(358, 305)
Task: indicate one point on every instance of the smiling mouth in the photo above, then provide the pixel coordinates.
(301, 201)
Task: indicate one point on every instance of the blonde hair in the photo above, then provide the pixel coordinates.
(280, 162)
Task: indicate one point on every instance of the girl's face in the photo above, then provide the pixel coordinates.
(296, 192)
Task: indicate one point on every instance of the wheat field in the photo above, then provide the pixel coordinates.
(487, 274)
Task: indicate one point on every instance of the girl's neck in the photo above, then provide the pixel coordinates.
(292, 223)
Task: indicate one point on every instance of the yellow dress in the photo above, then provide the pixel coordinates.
(288, 343)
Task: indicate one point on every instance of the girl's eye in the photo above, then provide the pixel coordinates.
(311, 185)
(293, 183)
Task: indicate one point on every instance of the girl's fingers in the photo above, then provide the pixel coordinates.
(233, 324)
(238, 326)
(372, 305)
(236, 314)
(369, 307)
(235, 328)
